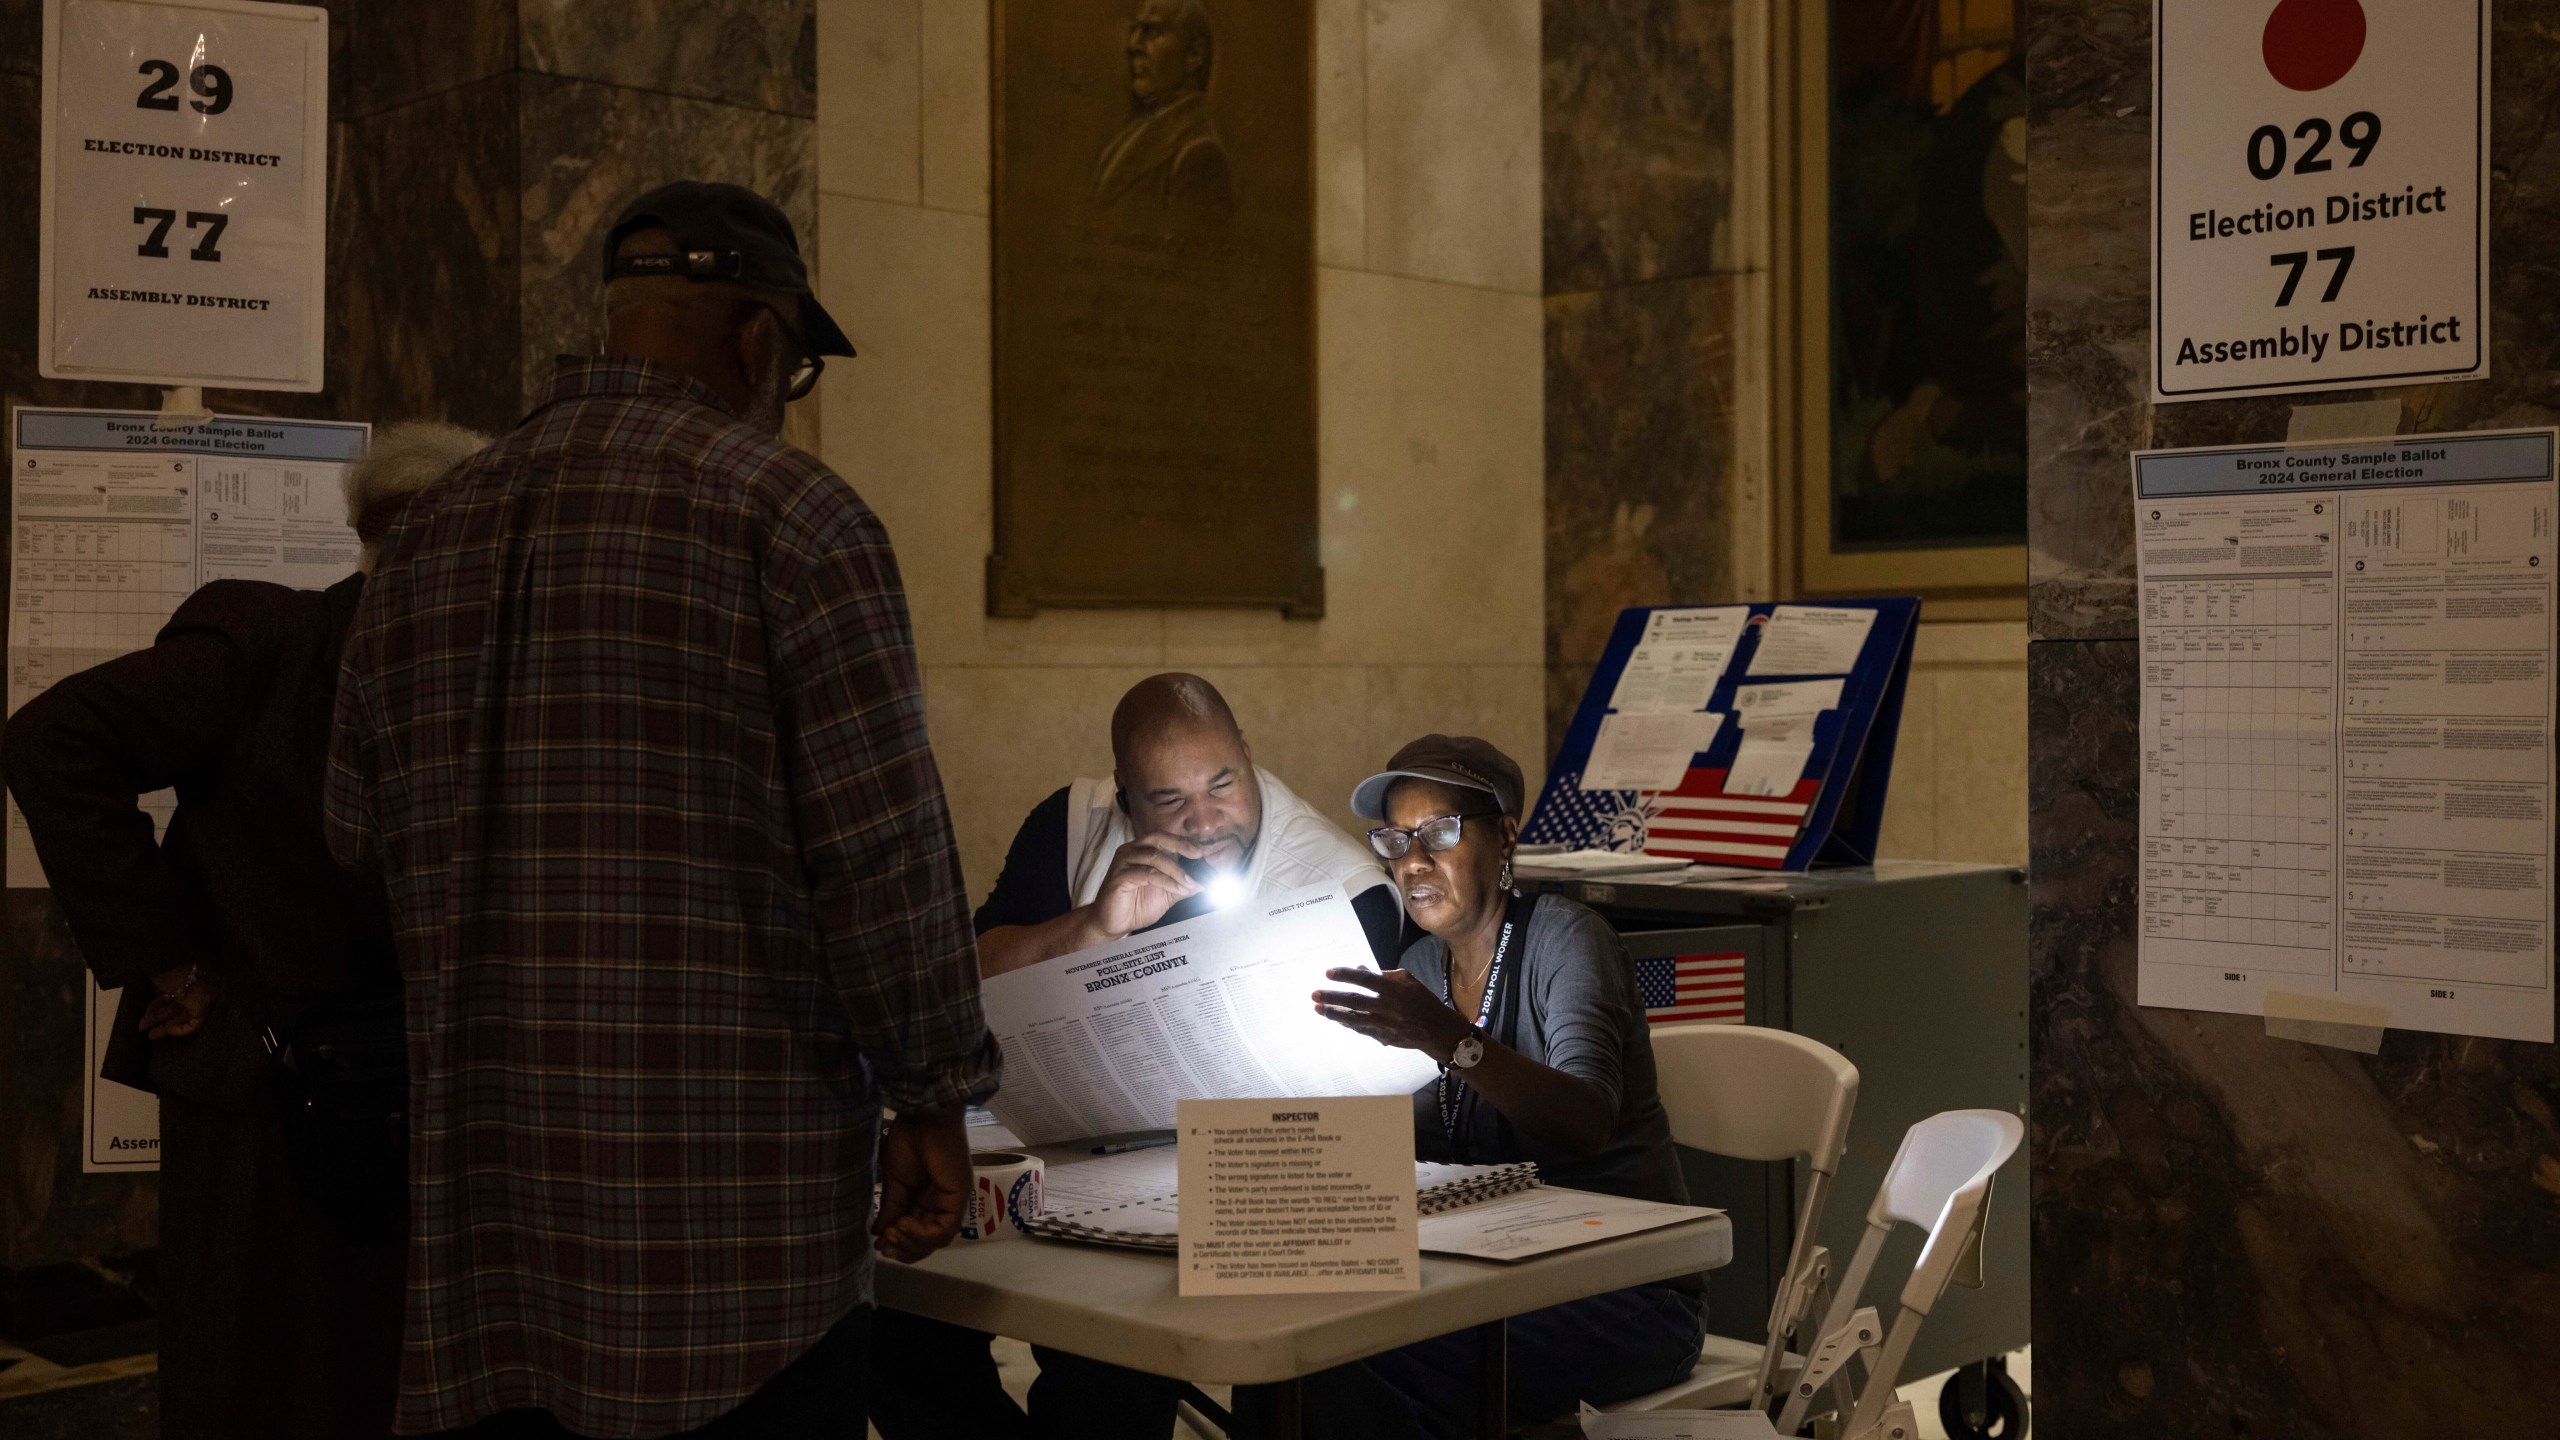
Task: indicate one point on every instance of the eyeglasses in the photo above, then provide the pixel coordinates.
(1394, 842)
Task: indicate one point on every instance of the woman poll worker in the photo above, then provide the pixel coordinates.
(1530, 1007)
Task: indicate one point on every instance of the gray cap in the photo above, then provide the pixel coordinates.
(1460, 760)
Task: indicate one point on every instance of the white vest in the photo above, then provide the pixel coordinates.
(1298, 847)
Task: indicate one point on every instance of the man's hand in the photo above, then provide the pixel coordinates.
(924, 1183)
(178, 1009)
(1145, 880)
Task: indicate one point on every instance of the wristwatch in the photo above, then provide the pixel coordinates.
(1468, 1052)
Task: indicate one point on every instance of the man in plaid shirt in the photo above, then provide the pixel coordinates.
(630, 722)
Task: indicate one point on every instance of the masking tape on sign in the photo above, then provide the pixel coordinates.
(2319, 1020)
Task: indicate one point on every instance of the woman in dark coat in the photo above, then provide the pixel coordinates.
(256, 975)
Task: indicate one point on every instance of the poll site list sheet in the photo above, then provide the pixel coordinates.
(1220, 1007)
(2347, 699)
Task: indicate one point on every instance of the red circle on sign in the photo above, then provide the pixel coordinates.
(2312, 44)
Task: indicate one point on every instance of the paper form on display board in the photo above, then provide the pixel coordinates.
(1812, 640)
(1676, 664)
(2347, 718)
(1649, 752)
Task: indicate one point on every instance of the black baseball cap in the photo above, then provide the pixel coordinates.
(724, 232)
(1460, 760)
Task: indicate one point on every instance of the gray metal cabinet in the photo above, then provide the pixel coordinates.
(1915, 970)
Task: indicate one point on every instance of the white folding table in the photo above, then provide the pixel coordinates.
(1120, 1306)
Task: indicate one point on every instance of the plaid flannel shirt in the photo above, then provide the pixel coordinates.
(630, 721)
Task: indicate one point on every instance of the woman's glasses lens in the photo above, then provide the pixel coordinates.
(1394, 843)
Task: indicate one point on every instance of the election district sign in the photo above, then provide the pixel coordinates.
(2319, 195)
(185, 193)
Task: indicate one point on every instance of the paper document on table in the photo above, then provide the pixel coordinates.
(1679, 659)
(2347, 720)
(1677, 1425)
(1812, 640)
(1106, 1040)
(115, 522)
(1535, 1222)
(1648, 752)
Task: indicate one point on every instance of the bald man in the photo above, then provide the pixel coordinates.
(1098, 860)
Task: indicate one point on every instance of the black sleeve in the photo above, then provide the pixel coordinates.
(79, 756)
(1383, 919)
(1033, 888)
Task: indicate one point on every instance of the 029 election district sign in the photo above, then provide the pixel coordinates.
(2319, 195)
(185, 193)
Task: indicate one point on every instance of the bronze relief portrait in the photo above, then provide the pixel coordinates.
(1155, 306)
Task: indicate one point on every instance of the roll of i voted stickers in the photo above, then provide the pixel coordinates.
(1004, 1190)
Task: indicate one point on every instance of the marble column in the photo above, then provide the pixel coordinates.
(479, 148)
(1640, 282)
(2236, 1234)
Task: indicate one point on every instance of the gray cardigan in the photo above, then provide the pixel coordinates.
(1569, 1002)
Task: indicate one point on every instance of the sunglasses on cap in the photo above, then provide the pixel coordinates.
(1394, 842)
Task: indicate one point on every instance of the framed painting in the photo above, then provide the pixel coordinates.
(1911, 265)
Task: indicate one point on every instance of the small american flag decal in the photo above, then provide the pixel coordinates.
(1691, 987)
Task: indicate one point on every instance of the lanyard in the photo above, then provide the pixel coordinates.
(1451, 1098)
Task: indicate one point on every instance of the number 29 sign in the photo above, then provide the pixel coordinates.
(2319, 195)
(185, 193)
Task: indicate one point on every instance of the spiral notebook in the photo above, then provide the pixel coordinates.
(1130, 1200)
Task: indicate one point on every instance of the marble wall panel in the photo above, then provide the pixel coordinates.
(2237, 1234)
(406, 50)
(1639, 464)
(426, 316)
(760, 54)
(1452, 145)
(1638, 140)
(585, 150)
(2088, 333)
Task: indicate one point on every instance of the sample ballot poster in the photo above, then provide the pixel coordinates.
(2319, 206)
(113, 523)
(2347, 660)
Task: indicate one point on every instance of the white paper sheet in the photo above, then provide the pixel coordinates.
(1535, 1222)
(1648, 752)
(2347, 768)
(1772, 756)
(1676, 664)
(1812, 640)
(1298, 1197)
(114, 524)
(1106, 1040)
(1796, 697)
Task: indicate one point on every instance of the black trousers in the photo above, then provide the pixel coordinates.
(818, 1395)
(930, 1381)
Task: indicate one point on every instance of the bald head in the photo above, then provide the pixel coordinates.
(1172, 700)
(1183, 766)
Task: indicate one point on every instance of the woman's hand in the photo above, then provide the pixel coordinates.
(1393, 1009)
(179, 1007)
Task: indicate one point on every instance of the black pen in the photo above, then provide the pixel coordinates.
(1125, 1146)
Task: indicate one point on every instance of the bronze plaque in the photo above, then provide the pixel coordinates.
(1154, 305)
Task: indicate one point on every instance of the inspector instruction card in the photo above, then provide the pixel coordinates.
(2347, 699)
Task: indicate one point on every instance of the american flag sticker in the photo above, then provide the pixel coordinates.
(1691, 987)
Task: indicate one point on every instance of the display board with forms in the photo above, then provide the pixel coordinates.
(1758, 736)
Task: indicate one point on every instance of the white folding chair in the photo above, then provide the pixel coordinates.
(1755, 1094)
(1940, 1179)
